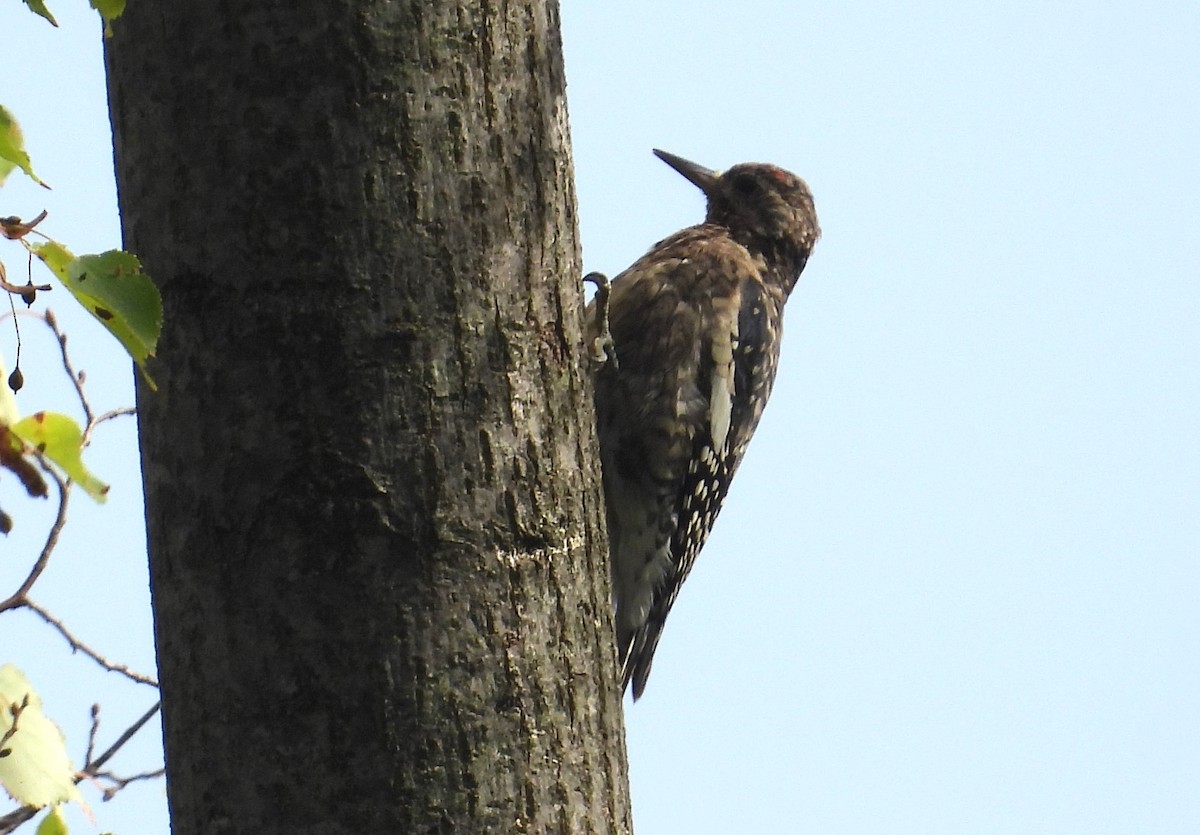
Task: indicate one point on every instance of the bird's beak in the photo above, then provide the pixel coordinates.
(702, 178)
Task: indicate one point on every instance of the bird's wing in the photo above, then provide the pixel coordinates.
(735, 373)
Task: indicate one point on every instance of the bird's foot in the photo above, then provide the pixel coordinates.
(601, 347)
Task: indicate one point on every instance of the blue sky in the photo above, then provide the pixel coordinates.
(955, 585)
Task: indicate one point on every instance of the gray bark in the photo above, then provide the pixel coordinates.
(377, 552)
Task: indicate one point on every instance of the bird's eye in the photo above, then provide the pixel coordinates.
(745, 185)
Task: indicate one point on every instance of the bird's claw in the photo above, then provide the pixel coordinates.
(601, 347)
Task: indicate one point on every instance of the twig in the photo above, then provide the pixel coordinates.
(79, 646)
(124, 411)
(15, 818)
(94, 766)
(76, 378)
(14, 710)
(119, 783)
(18, 598)
(95, 729)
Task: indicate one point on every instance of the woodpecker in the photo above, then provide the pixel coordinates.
(695, 325)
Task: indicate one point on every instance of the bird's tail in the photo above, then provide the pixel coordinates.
(637, 655)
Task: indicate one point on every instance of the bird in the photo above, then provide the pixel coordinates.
(691, 332)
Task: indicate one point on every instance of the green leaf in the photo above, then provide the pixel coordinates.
(38, 7)
(12, 148)
(53, 823)
(55, 256)
(113, 288)
(109, 9)
(60, 439)
(36, 770)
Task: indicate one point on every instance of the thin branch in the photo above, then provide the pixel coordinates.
(14, 711)
(79, 646)
(124, 411)
(18, 598)
(91, 748)
(119, 783)
(94, 766)
(16, 817)
(76, 378)
(107, 416)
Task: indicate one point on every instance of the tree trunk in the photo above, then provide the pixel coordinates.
(377, 551)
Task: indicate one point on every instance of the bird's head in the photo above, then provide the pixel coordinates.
(756, 202)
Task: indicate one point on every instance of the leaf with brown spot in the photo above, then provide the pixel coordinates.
(60, 439)
(113, 288)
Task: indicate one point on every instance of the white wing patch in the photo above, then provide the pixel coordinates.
(724, 345)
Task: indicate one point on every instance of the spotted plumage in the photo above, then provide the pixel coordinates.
(696, 325)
